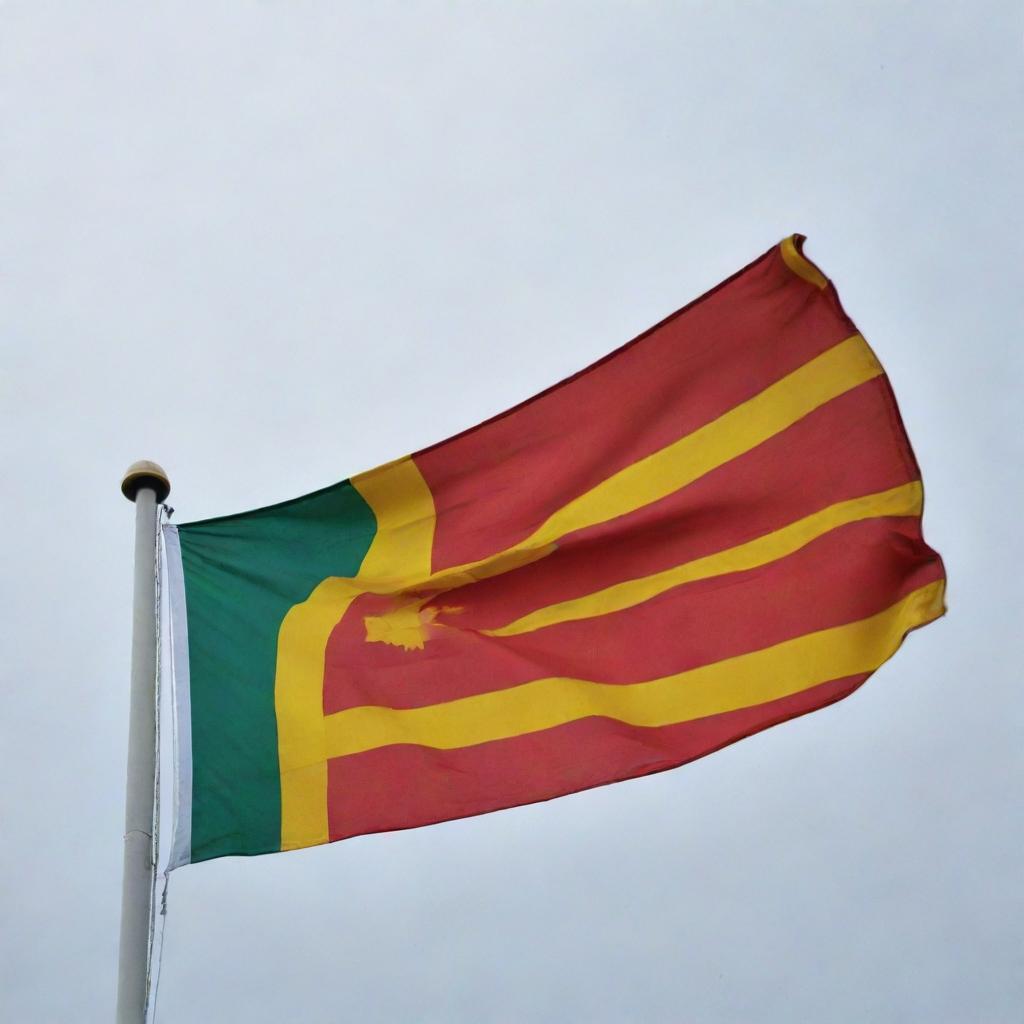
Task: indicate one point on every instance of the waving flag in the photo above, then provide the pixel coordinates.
(710, 531)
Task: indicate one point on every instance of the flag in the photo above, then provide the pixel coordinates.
(712, 530)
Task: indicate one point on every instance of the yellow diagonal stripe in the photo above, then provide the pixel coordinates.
(399, 558)
(899, 501)
(728, 685)
(834, 372)
(743, 427)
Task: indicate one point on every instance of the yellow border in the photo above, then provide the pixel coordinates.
(799, 263)
(399, 558)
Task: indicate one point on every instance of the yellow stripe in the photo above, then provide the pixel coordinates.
(836, 371)
(298, 699)
(747, 425)
(739, 682)
(800, 264)
(399, 558)
(404, 509)
(899, 501)
(304, 805)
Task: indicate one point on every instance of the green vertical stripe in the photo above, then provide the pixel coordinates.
(242, 574)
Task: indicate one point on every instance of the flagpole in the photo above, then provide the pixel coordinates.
(145, 483)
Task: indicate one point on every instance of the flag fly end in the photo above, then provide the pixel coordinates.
(794, 258)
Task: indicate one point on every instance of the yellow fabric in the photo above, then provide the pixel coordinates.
(728, 685)
(399, 560)
(401, 501)
(834, 372)
(899, 501)
(800, 264)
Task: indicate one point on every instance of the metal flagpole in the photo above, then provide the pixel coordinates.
(145, 483)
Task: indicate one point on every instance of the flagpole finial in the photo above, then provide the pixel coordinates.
(145, 474)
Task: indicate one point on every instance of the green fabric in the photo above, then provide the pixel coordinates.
(242, 574)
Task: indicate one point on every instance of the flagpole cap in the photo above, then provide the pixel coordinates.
(145, 474)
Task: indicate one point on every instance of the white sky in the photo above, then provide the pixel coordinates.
(270, 245)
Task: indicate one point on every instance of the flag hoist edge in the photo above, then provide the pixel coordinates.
(712, 530)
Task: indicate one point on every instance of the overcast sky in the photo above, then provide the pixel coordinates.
(273, 244)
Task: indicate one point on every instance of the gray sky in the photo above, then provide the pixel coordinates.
(271, 245)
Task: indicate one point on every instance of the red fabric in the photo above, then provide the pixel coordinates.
(848, 574)
(830, 456)
(406, 786)
(495, 483)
